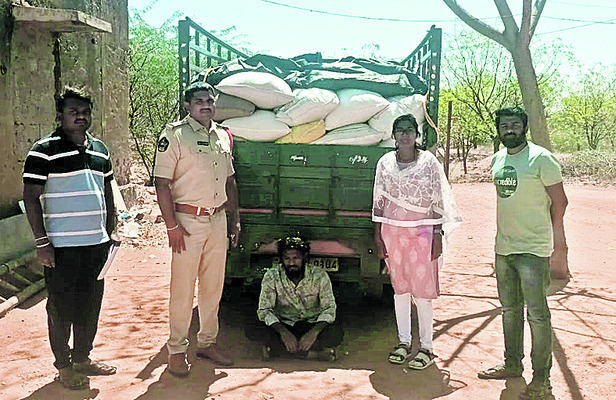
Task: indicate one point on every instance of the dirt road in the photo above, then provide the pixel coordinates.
(468, 331)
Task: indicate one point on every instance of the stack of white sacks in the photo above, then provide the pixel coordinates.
(261, 107)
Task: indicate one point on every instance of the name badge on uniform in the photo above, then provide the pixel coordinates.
(202, 143)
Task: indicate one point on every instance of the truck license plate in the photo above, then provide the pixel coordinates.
(328, 264)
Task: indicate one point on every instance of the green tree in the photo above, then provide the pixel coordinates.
(478, 76)
(154, 79)
(588, 112)
(153, 84)
(466, 132)
(516, 39)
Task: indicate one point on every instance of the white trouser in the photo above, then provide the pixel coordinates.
(402, 303)
(204, 259)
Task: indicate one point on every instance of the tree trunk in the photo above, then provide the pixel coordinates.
(495, 143)
(527, 78)
(464, 157)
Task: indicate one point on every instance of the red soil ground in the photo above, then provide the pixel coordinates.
(468, 332)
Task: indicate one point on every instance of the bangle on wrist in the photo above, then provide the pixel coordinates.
(174, 228)
(40, 246)
(41, 239)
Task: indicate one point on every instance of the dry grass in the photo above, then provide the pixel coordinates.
(592, 166)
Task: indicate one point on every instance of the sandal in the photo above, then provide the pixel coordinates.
(500, 372)
(72, 380)
(399, 354)
(537, 391)
(422, 360)
(92, 367)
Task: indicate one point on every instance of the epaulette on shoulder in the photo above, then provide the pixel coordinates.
(175, 124)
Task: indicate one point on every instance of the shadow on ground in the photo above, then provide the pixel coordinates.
(369, 334)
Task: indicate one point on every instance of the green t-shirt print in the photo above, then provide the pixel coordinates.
(506, 181)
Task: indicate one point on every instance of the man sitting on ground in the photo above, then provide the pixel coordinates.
(297, 305)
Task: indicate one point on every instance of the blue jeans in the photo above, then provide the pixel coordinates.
(523, 278)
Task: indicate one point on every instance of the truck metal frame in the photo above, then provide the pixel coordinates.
(323, 192)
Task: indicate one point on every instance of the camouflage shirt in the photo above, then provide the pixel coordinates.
(312, 300)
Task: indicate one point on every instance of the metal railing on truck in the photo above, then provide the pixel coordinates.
(199, 50)
(425, 61)
(325, 190)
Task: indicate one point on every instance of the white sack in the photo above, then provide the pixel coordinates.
(388, 143)
(356, 134)
(259, 127)
(356, 106)
(309, 105)
(264, 90)
(228, 106)
(382, 122)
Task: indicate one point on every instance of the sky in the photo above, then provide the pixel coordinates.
(287, 28)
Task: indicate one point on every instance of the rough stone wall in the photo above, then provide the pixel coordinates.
(115, 91)
(38, 63)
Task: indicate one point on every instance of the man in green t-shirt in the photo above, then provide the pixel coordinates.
(531, 203)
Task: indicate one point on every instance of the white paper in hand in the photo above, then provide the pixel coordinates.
(113, 249)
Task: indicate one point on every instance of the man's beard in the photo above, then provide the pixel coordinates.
(513, 141)
(293, 274)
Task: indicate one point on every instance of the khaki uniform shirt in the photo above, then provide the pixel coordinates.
(197, 161)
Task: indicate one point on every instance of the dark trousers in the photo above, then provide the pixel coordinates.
(331, 336)
(74, 300)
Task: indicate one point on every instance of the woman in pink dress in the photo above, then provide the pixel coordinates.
(413, 208)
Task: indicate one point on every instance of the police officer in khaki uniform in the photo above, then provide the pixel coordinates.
(196, 191)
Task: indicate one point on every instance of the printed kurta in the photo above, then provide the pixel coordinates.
(409, 200)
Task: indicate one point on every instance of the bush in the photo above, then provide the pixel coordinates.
(590, 163)
(567, 142)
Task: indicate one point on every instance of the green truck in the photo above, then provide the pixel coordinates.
(323, 192)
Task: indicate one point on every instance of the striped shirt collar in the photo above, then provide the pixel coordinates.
(59, 132)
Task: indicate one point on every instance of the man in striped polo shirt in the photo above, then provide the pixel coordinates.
(69, 202)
